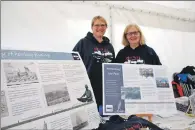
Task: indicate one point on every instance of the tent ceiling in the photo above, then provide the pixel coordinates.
(181, 9)
(184, 5)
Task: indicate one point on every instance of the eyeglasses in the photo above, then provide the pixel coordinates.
(100, 25)
(136, 33)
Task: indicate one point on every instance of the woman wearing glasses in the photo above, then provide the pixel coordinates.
(94, 50)
(135, 50)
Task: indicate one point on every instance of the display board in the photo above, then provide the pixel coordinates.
(46, 90)
(136, 89)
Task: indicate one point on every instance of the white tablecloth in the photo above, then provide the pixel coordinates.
(177, 121)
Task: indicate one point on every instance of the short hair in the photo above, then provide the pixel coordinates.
(98, 18)
(124, 39)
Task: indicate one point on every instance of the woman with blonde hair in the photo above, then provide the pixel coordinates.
(95, 49)
(135, 50)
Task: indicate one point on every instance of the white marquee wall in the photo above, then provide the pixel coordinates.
(57, 26)
(46, 25)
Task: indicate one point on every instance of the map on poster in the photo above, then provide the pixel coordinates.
(46, 90)
(136, 89)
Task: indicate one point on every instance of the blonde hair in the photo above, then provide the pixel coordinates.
(124, 39)
(98, 18)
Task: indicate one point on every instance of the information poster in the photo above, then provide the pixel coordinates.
(136, 89)
(46, 90)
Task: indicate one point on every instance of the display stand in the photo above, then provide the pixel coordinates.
(141, 90)
(46, 90)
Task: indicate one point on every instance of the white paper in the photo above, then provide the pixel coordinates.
(176, 121)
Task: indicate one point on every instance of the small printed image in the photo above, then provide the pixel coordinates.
(79, 119)
(130, 93)
(123, 94)
(87, 95)
(109, 108)
(121, 106)
(56, 94)
(4, 108)
(162, 83)
(75, 56)
(146, 72)
(45, 126)
(18, 73)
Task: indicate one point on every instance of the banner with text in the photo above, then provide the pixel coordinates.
(136, 89)
(46, 90)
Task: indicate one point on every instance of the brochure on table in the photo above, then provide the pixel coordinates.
(46, 90)
(137, 89)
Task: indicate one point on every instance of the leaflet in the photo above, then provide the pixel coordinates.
(136, 89)
(37, 85)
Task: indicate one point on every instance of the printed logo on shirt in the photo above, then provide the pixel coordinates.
(102, 55)
(75, 56)
(134, 60)
(135, 126)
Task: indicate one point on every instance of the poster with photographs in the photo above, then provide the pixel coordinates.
(136, 89)
(45, 88)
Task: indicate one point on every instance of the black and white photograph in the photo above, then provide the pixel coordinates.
(162, 82)
(4, 108)
(45, 126)
(87, 95)
(18, 73)
(146, 72)
(123, 93)
(121, 106)
(79, 119)
(56, 94)
(130, 93)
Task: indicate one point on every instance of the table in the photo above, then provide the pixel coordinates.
(177, 121)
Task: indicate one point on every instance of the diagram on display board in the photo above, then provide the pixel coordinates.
(46, 90)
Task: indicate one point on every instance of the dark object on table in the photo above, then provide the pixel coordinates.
(132, 123)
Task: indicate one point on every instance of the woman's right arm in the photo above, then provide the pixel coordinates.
(79, 48)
